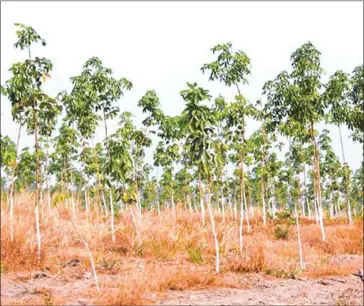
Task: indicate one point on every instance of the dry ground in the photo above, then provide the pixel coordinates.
(161, 261)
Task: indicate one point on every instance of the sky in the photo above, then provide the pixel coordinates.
(163, 45)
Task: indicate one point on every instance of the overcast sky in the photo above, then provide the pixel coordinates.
(162, 45)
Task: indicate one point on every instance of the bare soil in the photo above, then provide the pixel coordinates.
(328, 291)
(260, 290)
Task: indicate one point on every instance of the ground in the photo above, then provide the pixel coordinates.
(74, 286)
(158, 259)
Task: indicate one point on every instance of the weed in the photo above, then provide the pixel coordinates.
(281, 232)
(195, 255)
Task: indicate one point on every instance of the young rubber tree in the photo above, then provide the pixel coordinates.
(103, 91)
(66, 147)
(296, 96)
(198, 122)
(337, 94)
(8, 162)
(27, 37)
(24, 90)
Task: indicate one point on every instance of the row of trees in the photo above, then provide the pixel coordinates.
(195, 150)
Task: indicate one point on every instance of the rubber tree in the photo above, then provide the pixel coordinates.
(296, 96)
(198, 122)
(103, 91)
(28, 100)
(25, 170)
(164, 156)
(80, 107)
(355, 121)
(66, 147)
(26, 37)
(119, 168)
(8, 160)
(337, 94)
(331, 169)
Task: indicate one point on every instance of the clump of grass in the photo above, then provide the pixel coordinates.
(284, 273)
(195, 255)
(254, 262)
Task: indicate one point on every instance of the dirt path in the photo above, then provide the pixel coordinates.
(328, 291)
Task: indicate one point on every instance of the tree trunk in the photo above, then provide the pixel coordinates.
(173, 204)
(263, 202)
(12, 198)
(305, 192)
(201, 200)
(112, 217)
(104, 202)
(235, 205)
(300, 197)
(213, 228)
(242, 191)
(318, 183)
(299, 238)
(36, 186)
(222, 204)
(347, 200)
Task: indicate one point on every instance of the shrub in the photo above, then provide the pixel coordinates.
(195, 255)
(284, 215)
(281, 232)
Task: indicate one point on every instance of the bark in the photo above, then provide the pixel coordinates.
(201, 200)
(104, 202)
(173, 205)
(37, 186)
(302, 264)
(347, 200)
(318, 184)
(110, 197)
(222, 205)
(112, 217)
(262, 182)
(213, 228)
(242, 192)
(11, 198)
(235, 205)
(305, 192)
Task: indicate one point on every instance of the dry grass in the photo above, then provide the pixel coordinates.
(159, 253)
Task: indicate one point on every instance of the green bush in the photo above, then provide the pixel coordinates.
(281, 232)
(195, 255)
(284, 215)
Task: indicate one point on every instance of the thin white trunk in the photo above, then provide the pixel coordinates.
(264, 207)
(73, 207)
(87, 206)
(299, 239)
(213, 230)
(331, 207)
(348, 206)
(104, 202)
(173, 206)
(246, 213)
(90, 256)
(38, 230)
(202, 202)
(112, 217)
(241, 226)
(11, 204)
(41, 202)
(222, 205)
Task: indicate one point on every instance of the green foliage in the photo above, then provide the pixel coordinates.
(195, 255)
(281, 232)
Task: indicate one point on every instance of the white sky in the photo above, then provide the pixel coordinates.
(162, 45)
